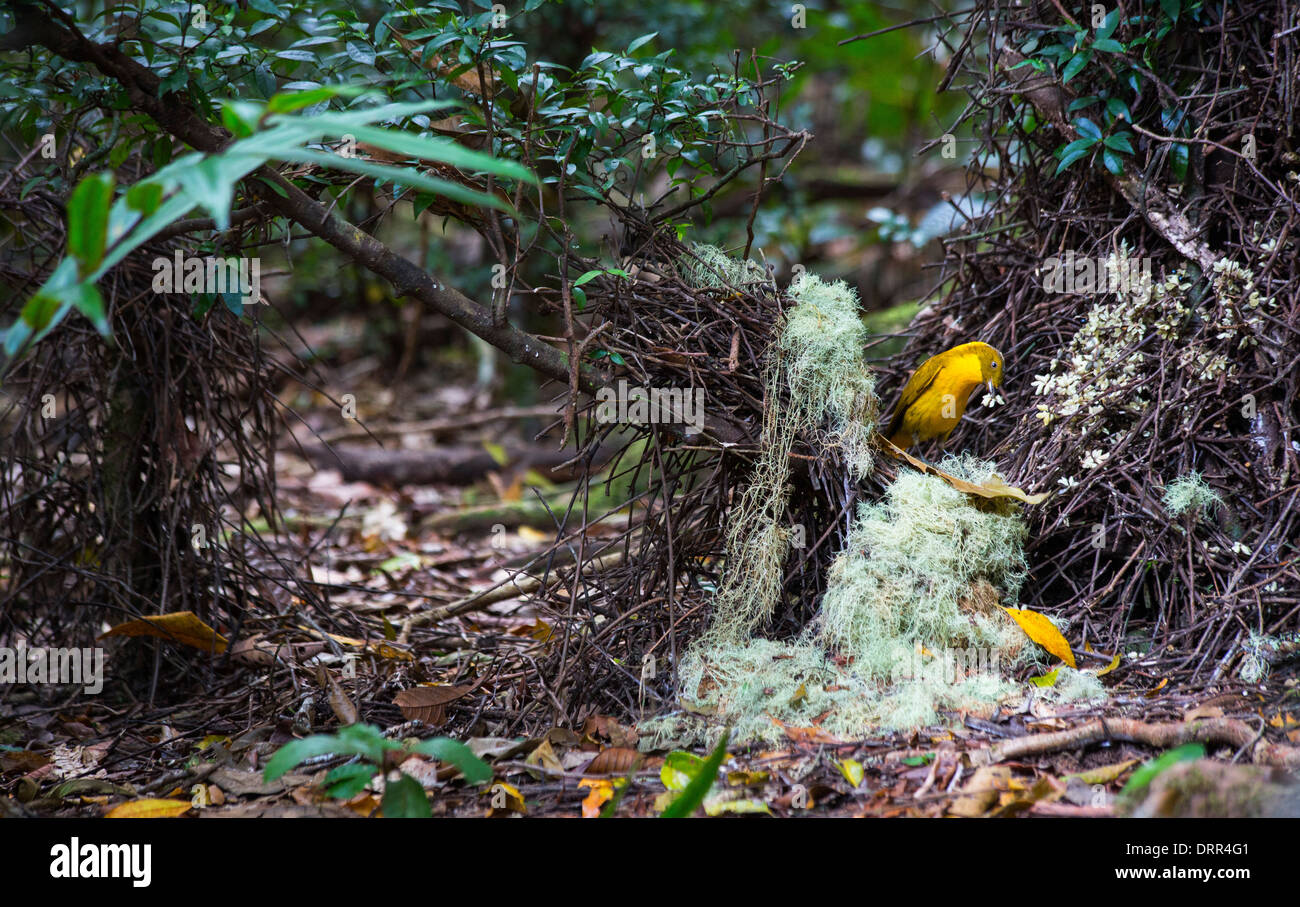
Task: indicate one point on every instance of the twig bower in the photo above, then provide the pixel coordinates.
(1147, 300)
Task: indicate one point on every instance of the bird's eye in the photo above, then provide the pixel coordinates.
(995, 365)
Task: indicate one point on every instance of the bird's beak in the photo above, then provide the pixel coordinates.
(989, 385)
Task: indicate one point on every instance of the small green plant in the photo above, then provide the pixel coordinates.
(701, 783)
(1140, 781)
(404, 797)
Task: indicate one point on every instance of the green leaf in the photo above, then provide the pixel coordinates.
(1087, 128)
(1112, 161)
(144, 197)
(641, 42)
(1119, 142)
(1178, 157)
(444, 749)
(679, 769)
(690, 799)
(287, 102)
(211, 182)
(1072, 152)
(439, 149)
(580, 297)
(40, 312)
(1075, 146)
(89, 303)
(241, 117)
(1141, 779)
(346, 781)
(405, 176)
(405, 799)
(1080, 103)
(1171, 8)
(88, 220)
(1118, 109)
(1075, 66)
(353, 740)
(1108, 45)
(297, 751)
(1109, 24)
(588, 276)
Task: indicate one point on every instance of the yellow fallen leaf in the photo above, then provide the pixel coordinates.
(1047, 680)
(379, 647)
(149, 809)
(535, 536)
(180, 626)
(852, 771)
(1104, 774)
(1042, 631)
(599, 795)
(717, 805)
(1114, 663)
(993, 487)
(982, 791)
(505, 797)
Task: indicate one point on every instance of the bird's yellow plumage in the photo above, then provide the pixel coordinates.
(935, 397)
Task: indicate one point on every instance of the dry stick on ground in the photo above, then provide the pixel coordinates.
(506, 589)
(1225, 731)
(287, 200)
(444, 425)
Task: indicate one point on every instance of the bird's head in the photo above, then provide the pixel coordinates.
(990, 365)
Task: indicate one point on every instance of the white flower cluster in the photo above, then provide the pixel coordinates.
(1084, 383)
(1239, 317)
(1090, 383)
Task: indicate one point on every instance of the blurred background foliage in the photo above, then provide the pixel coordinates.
(860, 202)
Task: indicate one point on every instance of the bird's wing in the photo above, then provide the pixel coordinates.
(916, 385)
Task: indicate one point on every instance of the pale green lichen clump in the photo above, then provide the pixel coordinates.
(817, 375)
(909, 627)
(1190, 494)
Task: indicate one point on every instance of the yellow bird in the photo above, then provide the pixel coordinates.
(936, 395)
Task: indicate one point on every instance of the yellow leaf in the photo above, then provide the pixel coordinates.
(852, 771)
(149, 809)
(1044, 632)
(747, 778)
(1114, 663)
(379, 647)
(716, 805)
(1104, 774)
(505, 797)
(600, 794)
(180, 626)
(678, 770)
(1047, 680)
(496, 452)
(535, 536)
(993, 487)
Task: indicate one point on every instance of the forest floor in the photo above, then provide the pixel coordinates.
(400, 560)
